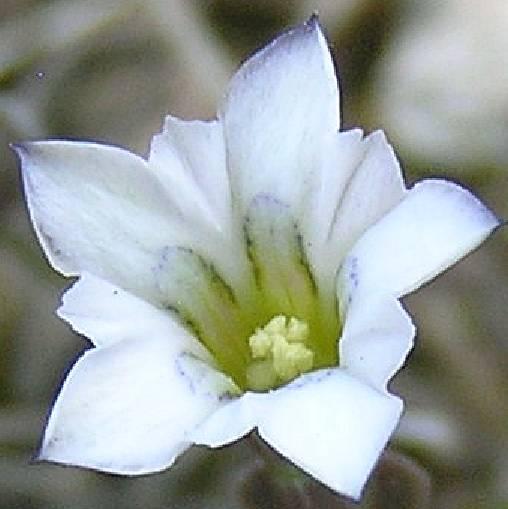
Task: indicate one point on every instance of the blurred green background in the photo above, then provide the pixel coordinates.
(433, 75)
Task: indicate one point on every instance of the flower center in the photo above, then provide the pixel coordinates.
(271, 321)
(279, 353)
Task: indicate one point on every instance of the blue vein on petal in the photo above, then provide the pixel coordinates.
(212, 276)
(302, 258)
(195, 384)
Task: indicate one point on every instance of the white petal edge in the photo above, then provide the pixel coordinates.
(344, 153)
(375, 187)
(371, 184)
(280, 109)
(106, 314)
(330, 424)
(191, 160)
(377, 337)
(100, 209)
(436, 224)
(128, 408)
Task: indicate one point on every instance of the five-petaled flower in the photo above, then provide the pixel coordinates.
(246, 275)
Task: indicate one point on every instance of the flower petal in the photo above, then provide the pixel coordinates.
(106, 314)
(232, 421)
(371, 184)
(284, 275)
(281, 107)
(129, 406)
(278, 257)
(195, 291)
(328, 423)
(435, 225)
(100, 209)
(345, 152)
(332, 426)
(191, 157)
(376, 338)
(375, 188)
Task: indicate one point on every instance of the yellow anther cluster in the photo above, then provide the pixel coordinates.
(279, 353)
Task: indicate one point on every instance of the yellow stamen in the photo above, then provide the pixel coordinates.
(297, 330)
(260, 344)
(279, 353)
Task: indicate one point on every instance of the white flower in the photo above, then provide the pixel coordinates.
(218, 277)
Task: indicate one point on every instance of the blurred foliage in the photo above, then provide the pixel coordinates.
(109, 70)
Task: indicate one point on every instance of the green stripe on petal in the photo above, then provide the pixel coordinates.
(284, 277)
(192, 288)
(280, 264)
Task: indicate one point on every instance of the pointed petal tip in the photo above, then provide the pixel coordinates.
(35, 461)
(312, 27)
(309, 28)
(29, 149)
(436, 224)
(38, 458)
(378, 134)
(20, 149)
(378, 137)
(41, 455)
(313, 21)
(498, 222)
